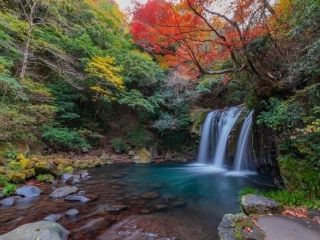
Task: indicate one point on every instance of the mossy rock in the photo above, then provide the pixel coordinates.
(48, 178)
(14, 166)
(16, 177)
(30, 173)
(143, 156)
(42, 167)
(68, 169)
(198, 116)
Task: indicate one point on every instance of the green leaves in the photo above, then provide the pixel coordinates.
(136, 100)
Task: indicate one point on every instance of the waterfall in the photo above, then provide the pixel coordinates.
(215, 135)
(226, 122)
(243, 152)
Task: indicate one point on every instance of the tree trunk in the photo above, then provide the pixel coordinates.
(26, 54)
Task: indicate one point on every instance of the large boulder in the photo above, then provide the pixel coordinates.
(239, 226)
(143, 156)
(255, 204)
(63, 192)
(28, 191)
(43, 230)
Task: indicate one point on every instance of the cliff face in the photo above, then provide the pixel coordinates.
(265, 152)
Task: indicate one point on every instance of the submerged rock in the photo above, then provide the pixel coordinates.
(150, 195)
(9, 201)
(43, 230)
(77, 198)
(111, 208)
(255, 204)
(53, 217)
(72, 213)
(63, 192)
(70, 179)
(28, 191)
(89, 229)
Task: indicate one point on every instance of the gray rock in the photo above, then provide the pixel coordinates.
(255, 204)
(63, 192)
(28, 191)
(72, 213)
(1, 195)
(70, 179)
(9, 201)
(231, 228)
(43, 230)
(53, 217)
(84, 174)
(77, 198)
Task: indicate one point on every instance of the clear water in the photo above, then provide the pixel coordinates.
(208, 192)
(205, 194)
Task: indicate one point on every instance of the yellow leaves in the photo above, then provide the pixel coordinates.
(107, 77)
(104, 93)
(104, 68)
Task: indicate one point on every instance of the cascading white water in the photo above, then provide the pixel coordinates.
(226, 122)
(215, 134)
(243, 152)
(206, 143)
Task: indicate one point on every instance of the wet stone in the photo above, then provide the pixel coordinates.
(28, 191)
(89, 229)
(43, 230)
(77, 198)
(72, 213)
(63, 192)
(53, 217)
(150, 195)
(161, 207)
(9, 201)
(255, 204)
(111, 208)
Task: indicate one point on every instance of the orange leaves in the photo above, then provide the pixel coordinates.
(191, 34)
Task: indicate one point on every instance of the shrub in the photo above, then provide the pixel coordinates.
(59, 137)
(45, 178)
(300, 175)
(9, 189)
(119, 145)
(140, 137)
(3, 180)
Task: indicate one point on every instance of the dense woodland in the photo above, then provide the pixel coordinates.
(76, 76)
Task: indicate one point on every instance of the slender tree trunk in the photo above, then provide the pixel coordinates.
(26, 54)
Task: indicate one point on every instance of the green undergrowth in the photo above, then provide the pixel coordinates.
(296, 198)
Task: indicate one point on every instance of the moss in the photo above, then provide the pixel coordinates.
(16, 177)
(29, 173)
(48, 178)
(240, 224)
(14, 166)
(3, 180)
(68, 169)
(9, 189)
(2, 170)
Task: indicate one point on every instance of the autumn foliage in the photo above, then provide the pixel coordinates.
(197, 36)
